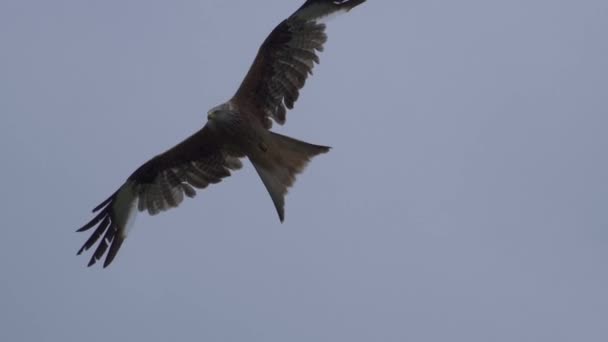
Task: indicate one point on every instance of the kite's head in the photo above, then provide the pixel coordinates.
(223, 116)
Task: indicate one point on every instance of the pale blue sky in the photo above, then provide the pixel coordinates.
(465, 198)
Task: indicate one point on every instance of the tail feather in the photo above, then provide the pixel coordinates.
(280, 163)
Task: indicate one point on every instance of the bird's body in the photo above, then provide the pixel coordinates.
(236, 129)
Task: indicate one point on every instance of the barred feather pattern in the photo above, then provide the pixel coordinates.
(285, 60)
(292, 63)
(171, 185)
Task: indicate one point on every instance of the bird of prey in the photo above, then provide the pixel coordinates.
(234, 130)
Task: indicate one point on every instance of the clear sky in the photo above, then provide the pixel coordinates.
(465, 197)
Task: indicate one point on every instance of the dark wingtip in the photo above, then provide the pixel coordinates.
(349, 5)
(334, 5)
(92, 261)
(356, 3)
(114, 247)
(104, 233)
(105, 203)
(93, 222)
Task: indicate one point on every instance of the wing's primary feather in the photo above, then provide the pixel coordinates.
(158, 185)
(285, 59)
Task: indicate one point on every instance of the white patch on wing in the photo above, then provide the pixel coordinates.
(124, 208)
(326, 18)
(321, 12)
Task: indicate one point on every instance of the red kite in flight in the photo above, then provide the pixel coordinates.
(235, 129)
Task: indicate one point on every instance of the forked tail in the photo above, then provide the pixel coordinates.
(280, 163)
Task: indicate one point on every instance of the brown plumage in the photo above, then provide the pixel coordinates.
(235, 129)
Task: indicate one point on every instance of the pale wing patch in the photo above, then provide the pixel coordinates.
(123, 208)
(322, 11)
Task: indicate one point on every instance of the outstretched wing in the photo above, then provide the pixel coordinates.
(158, 185)
(285, 60)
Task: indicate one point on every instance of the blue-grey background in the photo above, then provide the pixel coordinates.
(465, 199)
